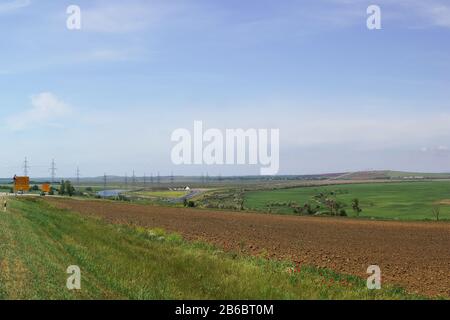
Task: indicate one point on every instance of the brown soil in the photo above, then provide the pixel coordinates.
(414, 255)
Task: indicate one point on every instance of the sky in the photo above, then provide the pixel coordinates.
(107, 97)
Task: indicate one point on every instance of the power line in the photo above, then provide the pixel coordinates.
(53, 170)
(25, 167)
(104, 185)
(78, 176)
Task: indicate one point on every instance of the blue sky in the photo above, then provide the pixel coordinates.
(107, 97)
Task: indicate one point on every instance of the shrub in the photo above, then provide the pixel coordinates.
(191, 204)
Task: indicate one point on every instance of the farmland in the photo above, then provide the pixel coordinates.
(38, 242)
(151, 249)
(418, 261)
(400, 201)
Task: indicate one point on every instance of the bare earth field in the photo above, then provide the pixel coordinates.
(414, 255)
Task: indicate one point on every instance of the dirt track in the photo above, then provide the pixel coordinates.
(415, 255)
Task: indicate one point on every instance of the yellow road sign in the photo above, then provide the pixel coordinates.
(21, 184)
(46, 187)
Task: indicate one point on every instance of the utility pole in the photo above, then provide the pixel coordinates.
(133, 180)
(158, 179)
(53, 170)
(25, 167)
(78, 176)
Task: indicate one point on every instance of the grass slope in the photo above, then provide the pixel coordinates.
(403, 200)
(38, 243)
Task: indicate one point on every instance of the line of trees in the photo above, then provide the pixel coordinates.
(66, 188)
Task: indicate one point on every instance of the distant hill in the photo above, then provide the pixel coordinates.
(391, 175)
(358, 175)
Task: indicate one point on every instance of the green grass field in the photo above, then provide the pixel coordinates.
(403, 200)
(38, 243)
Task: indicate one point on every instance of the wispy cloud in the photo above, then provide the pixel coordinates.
(375, 132)
(45, 108)
(124, 17)
(13, 5)
(111, 55)
(417, 13)
(438, 13)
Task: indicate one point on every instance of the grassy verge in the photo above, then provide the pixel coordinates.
(39, 242)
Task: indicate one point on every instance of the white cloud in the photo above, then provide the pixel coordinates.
(371, 132)
(123, 17)
(438, 13)
(414, 13)
(45, 108)
(12, 5)
(110, 55)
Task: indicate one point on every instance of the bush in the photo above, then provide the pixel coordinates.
(191, 204)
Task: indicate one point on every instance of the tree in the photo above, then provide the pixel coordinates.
(356, 207)
(333, 206)
(436, 211)
(62, 188)
(69, 189)
(66, 188)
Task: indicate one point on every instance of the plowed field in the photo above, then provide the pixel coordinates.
(414, 255)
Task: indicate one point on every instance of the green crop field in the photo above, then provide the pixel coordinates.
(39, 242)
(403, 200)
